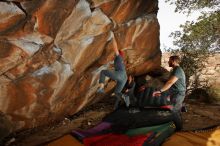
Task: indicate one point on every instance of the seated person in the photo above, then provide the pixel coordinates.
(144, 89)
(128, 92)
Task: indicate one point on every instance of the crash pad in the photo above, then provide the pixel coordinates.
(113, 139)
(144, 130)
(146, 98)
(198, 138)
(122, 118)
(161, 135)
(80, 134)
(147, 136)
(67, 140)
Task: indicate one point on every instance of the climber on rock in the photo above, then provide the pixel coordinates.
(118, 74)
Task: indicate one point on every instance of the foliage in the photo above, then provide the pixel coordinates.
(200, 94)
(187, 6)
(203, 35)
(199, 39)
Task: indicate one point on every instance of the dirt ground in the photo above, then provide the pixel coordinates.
(199, 115)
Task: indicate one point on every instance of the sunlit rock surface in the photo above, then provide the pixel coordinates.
(52, 51)
(10, 16)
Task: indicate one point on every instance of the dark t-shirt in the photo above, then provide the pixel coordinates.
(118, 63)
(180, 84)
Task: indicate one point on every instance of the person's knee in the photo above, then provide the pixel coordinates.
(118, 88)
(178, 106)
(118, 95)
(179, 100)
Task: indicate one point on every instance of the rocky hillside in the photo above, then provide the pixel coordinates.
(52, 51)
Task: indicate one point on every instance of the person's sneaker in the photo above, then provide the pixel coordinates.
(126, 99)
(100, 90)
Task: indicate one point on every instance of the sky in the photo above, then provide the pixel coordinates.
(170, 22)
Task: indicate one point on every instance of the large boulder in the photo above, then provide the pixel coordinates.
(53, 51)
(11, 16)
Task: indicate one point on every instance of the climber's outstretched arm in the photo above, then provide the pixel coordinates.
(115, 46)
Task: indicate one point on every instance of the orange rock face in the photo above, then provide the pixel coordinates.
(10, 55)
(52, 52)
(10, 16)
